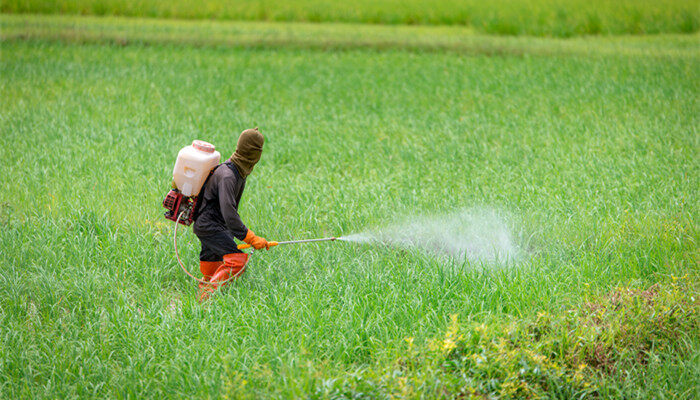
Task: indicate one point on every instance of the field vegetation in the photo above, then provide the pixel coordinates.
(561, 18)
(588, 149)
(330, 36)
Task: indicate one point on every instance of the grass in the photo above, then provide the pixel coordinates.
(560, 18)
(578, 353)
(456, 39)
(592, 155)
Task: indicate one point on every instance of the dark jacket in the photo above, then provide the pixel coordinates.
(220, 198)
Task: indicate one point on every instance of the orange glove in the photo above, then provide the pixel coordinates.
(256, 241)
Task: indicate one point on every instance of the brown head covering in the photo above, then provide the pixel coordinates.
(248, 151)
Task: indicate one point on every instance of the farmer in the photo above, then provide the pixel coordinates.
(218, 222)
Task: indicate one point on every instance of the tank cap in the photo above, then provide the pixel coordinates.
(203, 146)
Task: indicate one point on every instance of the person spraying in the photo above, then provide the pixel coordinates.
(208, 194)
(218, 222)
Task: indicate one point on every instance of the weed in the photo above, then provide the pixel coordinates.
(576, 353)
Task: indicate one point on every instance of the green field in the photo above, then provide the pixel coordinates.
(561, 18)
(587, 148)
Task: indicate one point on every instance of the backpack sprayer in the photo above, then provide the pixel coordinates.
(193, 166)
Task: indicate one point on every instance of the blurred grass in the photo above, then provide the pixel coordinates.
(591, 155)
(123, 31)
(560, 18)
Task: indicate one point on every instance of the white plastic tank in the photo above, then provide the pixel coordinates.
(193, 165)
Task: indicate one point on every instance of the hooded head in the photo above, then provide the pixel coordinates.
(248, 151)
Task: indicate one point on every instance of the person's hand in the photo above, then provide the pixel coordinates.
(256, 241)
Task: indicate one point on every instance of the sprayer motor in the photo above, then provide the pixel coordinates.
(177, 203)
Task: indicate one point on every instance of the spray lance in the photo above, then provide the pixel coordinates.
(328, 239)
(194, 164)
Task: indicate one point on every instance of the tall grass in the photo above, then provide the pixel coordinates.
(561, 18)
(329, 36)
(593, 158)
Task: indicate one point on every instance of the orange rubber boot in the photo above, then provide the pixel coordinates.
(233, 267)
(208, 269)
